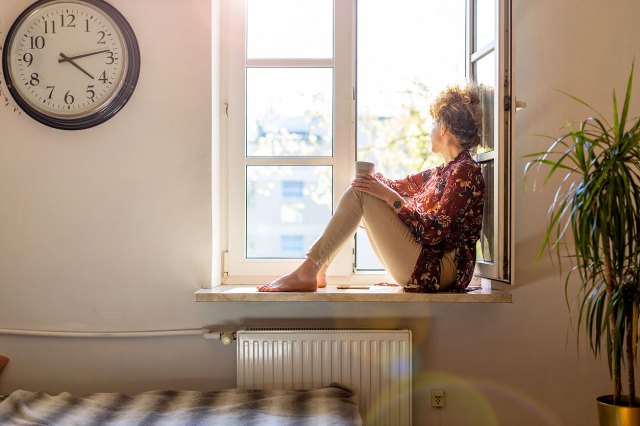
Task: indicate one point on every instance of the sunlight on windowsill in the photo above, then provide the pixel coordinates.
(249, 293)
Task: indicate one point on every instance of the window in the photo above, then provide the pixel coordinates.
(489, 64)
(277, 207)
(313, 85)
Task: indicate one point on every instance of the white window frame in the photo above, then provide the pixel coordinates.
(239, 270)
(500, 268)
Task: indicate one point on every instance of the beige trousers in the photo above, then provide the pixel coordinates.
(390, 238)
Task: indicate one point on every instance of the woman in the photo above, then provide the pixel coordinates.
(423, 228)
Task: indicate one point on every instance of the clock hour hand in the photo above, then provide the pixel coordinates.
(70, 60)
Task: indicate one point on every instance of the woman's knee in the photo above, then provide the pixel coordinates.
(353, 192)
(362, 196)
(354, 195)
(350, 192)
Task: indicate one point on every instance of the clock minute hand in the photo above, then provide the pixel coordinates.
(70, 60)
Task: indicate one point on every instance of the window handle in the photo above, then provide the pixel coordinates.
(509, 104)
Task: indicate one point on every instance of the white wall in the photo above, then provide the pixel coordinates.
(110, 228)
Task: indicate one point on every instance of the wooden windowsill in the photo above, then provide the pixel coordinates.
(248, 293)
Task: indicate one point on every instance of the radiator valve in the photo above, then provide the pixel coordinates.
(226, 338)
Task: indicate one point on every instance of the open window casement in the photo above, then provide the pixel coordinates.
(489, 65)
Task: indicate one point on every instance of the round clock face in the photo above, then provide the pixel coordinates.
(71, 64)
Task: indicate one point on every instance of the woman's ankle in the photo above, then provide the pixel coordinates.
(308, 269)
(321, 277)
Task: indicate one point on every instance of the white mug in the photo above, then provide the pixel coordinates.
(365, 166)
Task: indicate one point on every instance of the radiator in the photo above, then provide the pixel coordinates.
(376, 364)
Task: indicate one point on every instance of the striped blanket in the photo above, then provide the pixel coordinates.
(331, 405)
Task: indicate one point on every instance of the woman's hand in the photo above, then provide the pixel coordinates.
(371, 185)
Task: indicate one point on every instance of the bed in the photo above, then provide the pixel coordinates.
(331, 405)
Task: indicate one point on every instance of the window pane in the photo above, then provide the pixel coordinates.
(366, 259)
(288, 207)
(289, 112)
(485, 71)
(403, 61)
(485, 18)
(290, 29)
(484, 247)
(292, 244)
(399, 70)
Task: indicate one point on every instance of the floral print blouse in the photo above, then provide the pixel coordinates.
(443, 209)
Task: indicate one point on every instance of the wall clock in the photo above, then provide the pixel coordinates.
(71, 64)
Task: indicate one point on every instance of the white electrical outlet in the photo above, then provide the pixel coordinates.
(437, 398)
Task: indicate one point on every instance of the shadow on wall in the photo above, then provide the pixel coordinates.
(530, 270)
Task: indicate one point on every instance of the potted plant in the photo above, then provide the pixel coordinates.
(596, 209)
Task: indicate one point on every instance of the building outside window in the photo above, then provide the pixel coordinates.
(292, 189)
(293, 244)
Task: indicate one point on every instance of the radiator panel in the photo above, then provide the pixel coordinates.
(376, 364)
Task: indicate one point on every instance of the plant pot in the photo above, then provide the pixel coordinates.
(617, 415)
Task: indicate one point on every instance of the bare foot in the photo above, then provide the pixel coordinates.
(302, 279)
(322, 277)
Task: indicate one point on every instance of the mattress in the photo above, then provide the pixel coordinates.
(332, 405)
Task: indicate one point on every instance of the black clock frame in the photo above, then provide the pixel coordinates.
(108, 110)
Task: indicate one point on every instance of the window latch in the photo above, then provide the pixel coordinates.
(518, 104)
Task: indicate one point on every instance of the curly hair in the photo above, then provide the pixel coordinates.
(459, 109)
